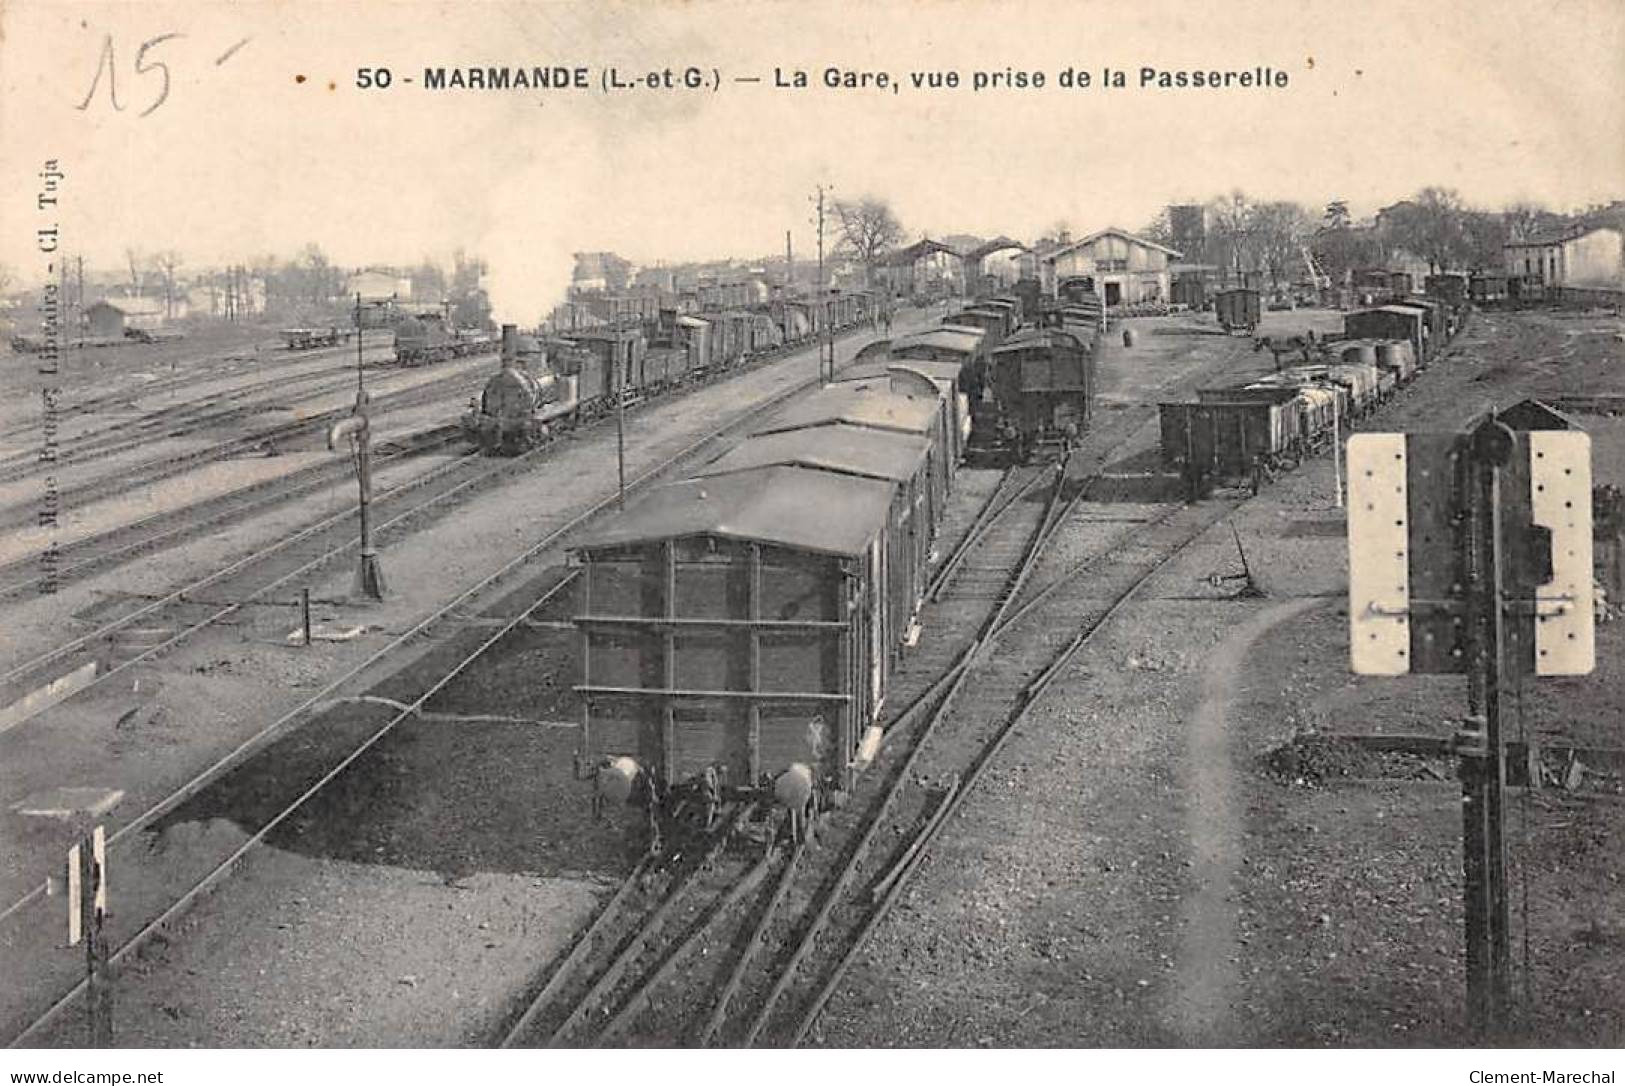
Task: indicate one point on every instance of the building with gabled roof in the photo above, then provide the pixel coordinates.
(1123, 268)
(1582, 256)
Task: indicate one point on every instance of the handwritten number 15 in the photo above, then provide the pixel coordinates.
(109, 64)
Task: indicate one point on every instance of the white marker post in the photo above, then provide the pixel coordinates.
(87, 892)
(1337, 451)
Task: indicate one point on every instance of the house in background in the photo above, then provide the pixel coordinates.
(377, 286)
(1583, 257)
(1126, 269)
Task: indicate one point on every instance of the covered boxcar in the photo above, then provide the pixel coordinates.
(1043, 387)
(741, 628)
(994, 323)
(874, 405)
(901, 459)
(1237, 309)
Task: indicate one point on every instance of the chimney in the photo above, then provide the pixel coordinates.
(510, 344)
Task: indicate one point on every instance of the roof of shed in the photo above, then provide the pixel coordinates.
(820, 511)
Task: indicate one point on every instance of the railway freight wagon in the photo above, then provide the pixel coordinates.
(874, 405)
(1487, 288)
(1391, 322)
(903, 460)
(919, 378)
(1451, 288)
(1043, 385)
(1237, 309)
(1229, 439)
(599, 359)
(737, 636)
(990, 322)
(963, 348)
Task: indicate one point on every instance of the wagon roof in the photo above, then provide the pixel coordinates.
(850, 450)
(953, 339)
(1029, 338)
(1402, 310)
(961, 329)
(937, 371)
(793, 507)
(864, 403)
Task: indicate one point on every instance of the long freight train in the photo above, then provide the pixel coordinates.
(1243, 433)
(553, 381)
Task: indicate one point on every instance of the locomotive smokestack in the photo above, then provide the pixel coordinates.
(510, 344)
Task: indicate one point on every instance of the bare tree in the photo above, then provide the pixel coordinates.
(1523, 219)
(166, 264)
(1232, 234)
(135, 260)
(868, 229)
(1159, 229)
(1279, 231)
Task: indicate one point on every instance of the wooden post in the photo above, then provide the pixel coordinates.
(304, 613)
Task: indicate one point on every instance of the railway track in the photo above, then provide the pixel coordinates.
(748, 947)
(197, 371)
(216, 409)
(146, 919)
(171, 527)
(166, 467)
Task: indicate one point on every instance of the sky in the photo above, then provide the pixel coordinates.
(1501, 101)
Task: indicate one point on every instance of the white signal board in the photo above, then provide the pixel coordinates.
(1379, 556)
(1560, 496)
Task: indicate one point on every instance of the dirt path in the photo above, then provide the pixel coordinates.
(1202, 1011)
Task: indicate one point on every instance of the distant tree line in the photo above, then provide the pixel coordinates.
(309, 283)
(1434, 225)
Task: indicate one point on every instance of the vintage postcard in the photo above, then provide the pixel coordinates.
(926, 524)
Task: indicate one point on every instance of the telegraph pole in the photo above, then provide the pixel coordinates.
(822, 294)
(621, 360)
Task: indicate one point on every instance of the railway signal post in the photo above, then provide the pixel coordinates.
(1471, 554)
(83, 808)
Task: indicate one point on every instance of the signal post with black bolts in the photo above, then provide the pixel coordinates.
(1470, 554)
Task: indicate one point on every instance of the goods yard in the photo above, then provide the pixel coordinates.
(988, 664)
